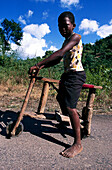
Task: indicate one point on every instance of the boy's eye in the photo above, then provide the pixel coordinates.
(63, 25)
(67, 25)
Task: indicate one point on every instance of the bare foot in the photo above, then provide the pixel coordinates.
(72, 151)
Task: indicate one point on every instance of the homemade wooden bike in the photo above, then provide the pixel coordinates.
(15, 128)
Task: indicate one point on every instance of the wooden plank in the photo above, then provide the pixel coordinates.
(58, 117)
(63, 118)
(34, 115)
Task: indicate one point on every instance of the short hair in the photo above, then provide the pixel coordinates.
(66, 14)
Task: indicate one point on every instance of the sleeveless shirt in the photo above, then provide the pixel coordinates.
(72, 58)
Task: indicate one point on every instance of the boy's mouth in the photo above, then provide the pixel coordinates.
(64, 33)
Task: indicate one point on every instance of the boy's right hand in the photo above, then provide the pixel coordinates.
(33, 70)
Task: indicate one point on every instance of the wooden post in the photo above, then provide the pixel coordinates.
(43, 98)
(88, 110)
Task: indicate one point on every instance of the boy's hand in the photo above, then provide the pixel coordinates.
(33, 70)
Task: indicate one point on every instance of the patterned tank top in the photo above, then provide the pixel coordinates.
(72, 58)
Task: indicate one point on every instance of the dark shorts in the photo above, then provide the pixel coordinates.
(70, 87)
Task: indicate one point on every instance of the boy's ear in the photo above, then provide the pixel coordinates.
(74, 25)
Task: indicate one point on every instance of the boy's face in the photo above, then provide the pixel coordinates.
(66, 27)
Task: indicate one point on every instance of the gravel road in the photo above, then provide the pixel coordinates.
(38, 147)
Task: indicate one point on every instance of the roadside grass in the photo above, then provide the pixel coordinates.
(12, 97)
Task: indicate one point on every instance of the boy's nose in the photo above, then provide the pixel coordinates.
(63, 29)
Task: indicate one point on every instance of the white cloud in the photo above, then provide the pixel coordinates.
(30, 47)
(33, 42)
(110, 22)
(52, 48)
(86, 32)
(36, 30)
(20, 19)
(25, 18)
(91, 43)
(30, 13)
(88, 26)
(64, 3)
(68, 3)
(104, 31)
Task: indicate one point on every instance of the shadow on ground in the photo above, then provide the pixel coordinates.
(40, 128)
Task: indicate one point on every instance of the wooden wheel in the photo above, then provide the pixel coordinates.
(10, 127)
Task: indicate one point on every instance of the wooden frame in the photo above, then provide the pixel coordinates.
(87, 111)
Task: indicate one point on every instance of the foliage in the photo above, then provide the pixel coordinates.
(10, 31)
(98, 54)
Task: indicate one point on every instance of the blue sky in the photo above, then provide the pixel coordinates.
(38, 19)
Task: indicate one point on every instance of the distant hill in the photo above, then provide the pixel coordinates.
(100, 53)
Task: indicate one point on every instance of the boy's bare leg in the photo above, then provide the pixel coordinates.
(62, 105)
(76, 147)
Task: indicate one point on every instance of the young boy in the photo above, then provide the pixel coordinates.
(71, 80)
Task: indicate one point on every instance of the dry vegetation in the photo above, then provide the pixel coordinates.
(12, 97)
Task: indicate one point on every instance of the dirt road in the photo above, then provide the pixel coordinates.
(41, 142)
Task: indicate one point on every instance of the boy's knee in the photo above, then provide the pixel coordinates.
(72, 110)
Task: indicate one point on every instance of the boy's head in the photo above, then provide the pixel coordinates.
(66, 14)
(66, 24)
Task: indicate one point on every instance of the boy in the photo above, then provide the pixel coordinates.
(71, 80)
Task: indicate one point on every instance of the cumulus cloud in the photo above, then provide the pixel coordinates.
(90, 26)
(33, 42)
(104, 31)
(36, 30)
(68, 3)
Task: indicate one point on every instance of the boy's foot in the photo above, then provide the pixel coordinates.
(72, 151)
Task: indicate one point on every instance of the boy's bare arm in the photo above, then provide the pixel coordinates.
(55, 58)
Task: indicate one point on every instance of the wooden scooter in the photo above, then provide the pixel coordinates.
(15, 128)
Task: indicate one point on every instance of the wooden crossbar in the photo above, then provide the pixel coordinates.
(85, 86)
(47, 80)
(91, 86)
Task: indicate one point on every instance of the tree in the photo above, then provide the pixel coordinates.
(47, 54)
(10, 31)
